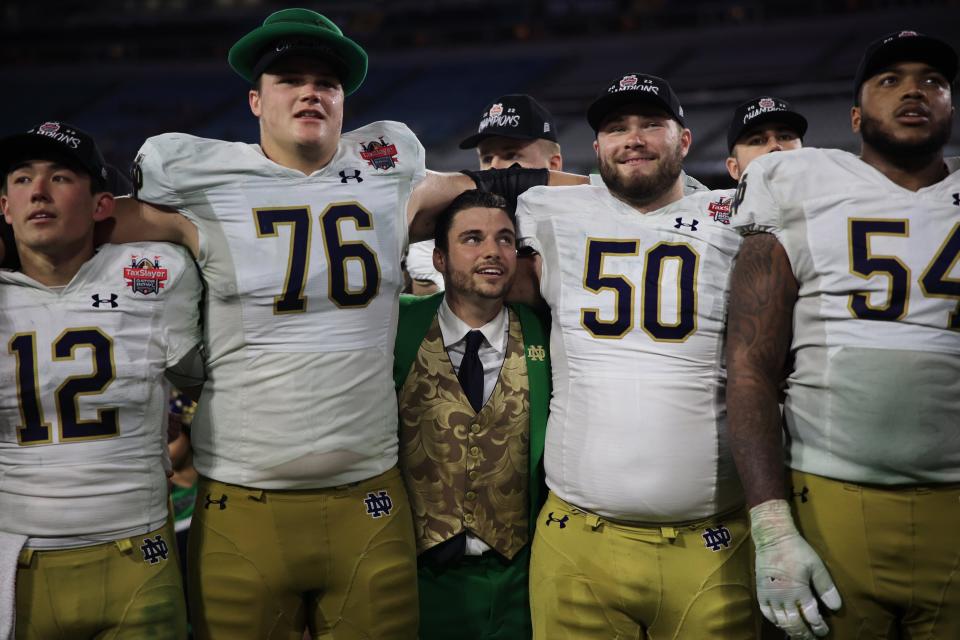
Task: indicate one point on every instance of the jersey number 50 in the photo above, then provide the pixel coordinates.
(33, 428)
(339, 252)
(596, 281)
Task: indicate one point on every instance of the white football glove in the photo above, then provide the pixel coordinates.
(786, 565)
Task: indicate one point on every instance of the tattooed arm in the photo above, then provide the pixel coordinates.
(763, 293)
(789, 573)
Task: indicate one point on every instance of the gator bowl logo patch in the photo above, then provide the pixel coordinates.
(145, 276)
(721, 209)
(379, 154)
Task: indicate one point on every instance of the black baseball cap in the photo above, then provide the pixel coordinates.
(904, 46)
(299, 32)
(760, 110)
(58, 141)
(515, 115)
(631, 89)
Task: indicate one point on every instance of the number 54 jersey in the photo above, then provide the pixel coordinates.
(637, 426)
(302, 275)
(83, 417)
(874, 397)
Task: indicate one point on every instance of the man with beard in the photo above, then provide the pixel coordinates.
(851, 269)
(473, 382)
(644, 530)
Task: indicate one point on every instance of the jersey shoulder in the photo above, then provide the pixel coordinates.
(385, 146)
(173, 164)
(544, 201)
(159, 267)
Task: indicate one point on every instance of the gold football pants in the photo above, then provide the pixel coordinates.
(893, 553)
(266, 564)
(593, 578)
(129, 589)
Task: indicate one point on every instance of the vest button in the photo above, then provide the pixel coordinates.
(474, 428)
(473, 475)
(468, 517)
(471, 495)
(475, 451)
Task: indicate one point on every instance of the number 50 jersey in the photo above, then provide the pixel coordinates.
(303, 276)
(83, 417)
(637, 426)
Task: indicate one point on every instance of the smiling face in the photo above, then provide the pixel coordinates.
(905, 111)
(640, 150)
(52, 209)
(480, 259)
(299, 102)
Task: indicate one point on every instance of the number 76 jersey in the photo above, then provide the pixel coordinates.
(637, 419)
(303, 277)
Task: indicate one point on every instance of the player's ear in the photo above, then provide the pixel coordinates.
(733, 168)
(254, 99)
(596, 147)
(439, 261)
(855, 118)
(4, 203)
(686, 139)
(102, 206)
(556, 162)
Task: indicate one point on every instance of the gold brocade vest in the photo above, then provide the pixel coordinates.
(466, 471)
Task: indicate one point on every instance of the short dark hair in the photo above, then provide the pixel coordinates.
(470, 199)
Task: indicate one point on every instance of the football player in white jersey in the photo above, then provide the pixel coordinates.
(644, 532)
(850, 268)
(88, 336)
(301, 518)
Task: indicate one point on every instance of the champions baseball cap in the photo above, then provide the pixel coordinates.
(760, 110)
(513, 116)
(299, 32)
(55, 141)
(900, 47)
(631, 89)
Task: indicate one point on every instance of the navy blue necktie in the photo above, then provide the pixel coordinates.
(471, 371)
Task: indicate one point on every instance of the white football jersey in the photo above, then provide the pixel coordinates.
(83, 417)
(303, 277)
(875, 393)
(637, 426)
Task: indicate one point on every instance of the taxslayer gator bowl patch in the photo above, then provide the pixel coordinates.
(145, 276)
(379, 154)
(720, 210)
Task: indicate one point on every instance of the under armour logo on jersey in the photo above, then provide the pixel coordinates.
(222, 502)
(560, 521)
(802, 494)
(536, 352)
(378, 504)
(681, 223)
(112, 301)
(356, 176)
(715, 538)
(956, 199)
(154, 550)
